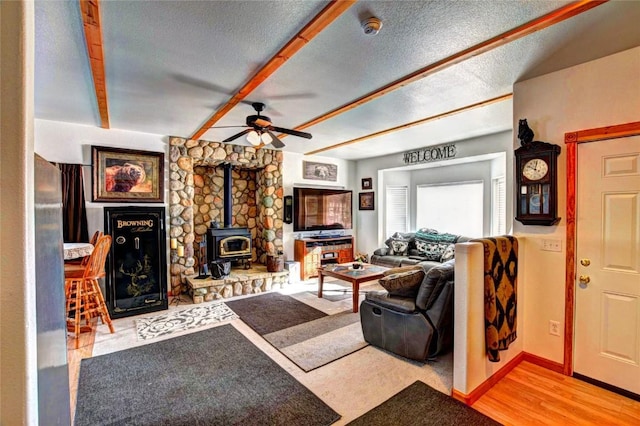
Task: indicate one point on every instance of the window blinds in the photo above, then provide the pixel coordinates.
(396, 209)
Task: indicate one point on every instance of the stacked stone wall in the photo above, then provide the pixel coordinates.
(196, 198)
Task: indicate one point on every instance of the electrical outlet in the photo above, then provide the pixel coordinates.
(554, 328)
(552, 245)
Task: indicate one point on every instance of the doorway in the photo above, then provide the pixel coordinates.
(602, 317)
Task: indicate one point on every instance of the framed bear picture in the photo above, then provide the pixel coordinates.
(125, 175)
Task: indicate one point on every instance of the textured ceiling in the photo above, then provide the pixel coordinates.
(171, 64)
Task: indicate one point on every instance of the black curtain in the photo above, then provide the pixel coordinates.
(74, 219)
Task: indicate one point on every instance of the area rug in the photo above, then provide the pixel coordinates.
(172, 322)
(334, 295)
(421, 405)
(308, 337)
(210, 377)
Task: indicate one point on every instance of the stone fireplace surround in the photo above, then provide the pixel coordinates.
(196, 198)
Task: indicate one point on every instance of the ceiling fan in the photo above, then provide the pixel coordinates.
(260, 130)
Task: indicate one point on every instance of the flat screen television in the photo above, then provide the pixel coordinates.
(316, 209)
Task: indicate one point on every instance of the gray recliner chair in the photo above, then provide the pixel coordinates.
(419, 327)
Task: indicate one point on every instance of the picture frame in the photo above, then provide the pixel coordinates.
(366, 201)
(367, 183)
(319, 171)
(126, 175)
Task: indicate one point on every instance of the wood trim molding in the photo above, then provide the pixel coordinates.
(552, 18)
(570, 257)
(91, 22)
(414, 123)
(500, 374)
(321, 21)
(571, 139)
(489, 383)
(543, 362)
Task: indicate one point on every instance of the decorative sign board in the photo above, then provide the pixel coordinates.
(430, 154)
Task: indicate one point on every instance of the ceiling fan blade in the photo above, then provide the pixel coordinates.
(237, 135)
(277, 143)
(292, 132)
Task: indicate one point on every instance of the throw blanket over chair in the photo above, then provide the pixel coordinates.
(500, 279)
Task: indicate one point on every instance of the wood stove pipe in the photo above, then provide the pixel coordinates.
(227, 199)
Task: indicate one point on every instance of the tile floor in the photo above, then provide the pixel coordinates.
(351, 385)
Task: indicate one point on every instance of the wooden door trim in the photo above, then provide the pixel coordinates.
(571, 140)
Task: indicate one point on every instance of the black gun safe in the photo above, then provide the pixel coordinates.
(136, 280)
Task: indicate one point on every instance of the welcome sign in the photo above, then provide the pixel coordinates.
(430, 154)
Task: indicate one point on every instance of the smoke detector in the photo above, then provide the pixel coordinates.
(371, 26)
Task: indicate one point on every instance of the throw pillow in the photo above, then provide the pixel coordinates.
(399, 269)
(431, 250)
(403, 284)
(399, 247)
(399, 243)
(449, 253)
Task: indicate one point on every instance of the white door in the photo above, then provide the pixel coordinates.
(607, 320)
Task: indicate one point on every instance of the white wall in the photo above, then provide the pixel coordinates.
(292, 176)
(60, 142)
(71, 143)
(471, 367)
(18, 344)
(369, 231)
(595, 94)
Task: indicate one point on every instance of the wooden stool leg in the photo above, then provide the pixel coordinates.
(98, 305)
(77, 312)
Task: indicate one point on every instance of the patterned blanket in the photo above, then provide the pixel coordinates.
(500, 283)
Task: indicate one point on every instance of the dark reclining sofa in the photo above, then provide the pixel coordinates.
(413, 318)
(426, 247)
(415, 323)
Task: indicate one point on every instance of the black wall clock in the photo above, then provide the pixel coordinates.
(537, 183)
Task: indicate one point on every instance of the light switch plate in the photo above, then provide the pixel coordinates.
(552, 245)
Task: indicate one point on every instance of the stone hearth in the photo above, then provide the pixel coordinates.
(239, 282)
(195, 198)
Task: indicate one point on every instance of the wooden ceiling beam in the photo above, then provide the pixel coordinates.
(558, 15)
(414, 123)
(322, 20)
(90, 11)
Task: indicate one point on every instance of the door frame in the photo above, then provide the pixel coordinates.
(571, 140)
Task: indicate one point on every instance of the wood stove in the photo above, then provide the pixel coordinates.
(228, 244)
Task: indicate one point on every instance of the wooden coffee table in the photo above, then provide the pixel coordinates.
(345, 272)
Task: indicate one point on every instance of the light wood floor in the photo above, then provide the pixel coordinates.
(533, 395)
(528, 395)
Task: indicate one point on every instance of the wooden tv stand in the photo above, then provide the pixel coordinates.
(313, 253)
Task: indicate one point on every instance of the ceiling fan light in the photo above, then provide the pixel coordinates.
(253, 137)
(266, 138)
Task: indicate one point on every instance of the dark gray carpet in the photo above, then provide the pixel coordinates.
(308, 337)
(271, 312)
(421, 405)
(211, 377)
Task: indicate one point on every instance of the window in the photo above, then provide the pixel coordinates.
(498, 206)
(455, 208)
(396, 210)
